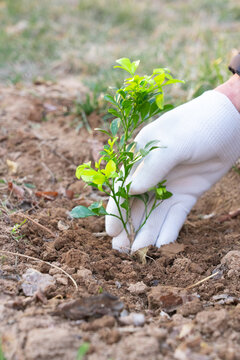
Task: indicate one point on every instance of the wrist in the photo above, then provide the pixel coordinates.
(231, 88)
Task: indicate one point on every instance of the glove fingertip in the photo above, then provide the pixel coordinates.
(113, 226)
(121, 243)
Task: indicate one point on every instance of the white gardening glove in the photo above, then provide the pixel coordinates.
(201, 142)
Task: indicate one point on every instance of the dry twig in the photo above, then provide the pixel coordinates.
(46, 262)
(36, 223)
(201, 281)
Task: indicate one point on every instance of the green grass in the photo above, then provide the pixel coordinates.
(2, 357)
(83, 38)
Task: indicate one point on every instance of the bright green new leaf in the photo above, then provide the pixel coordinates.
(127, 65)
(82, 167)
(173, 81)
(159, 79)
(158, 71)
(87, 174)
(160, 101)
(98, 179)
(110, 169)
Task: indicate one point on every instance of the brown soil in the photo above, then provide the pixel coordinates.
(203, 322)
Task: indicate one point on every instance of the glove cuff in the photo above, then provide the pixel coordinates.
(223, 126)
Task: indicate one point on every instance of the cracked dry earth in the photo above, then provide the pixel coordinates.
(122, 308)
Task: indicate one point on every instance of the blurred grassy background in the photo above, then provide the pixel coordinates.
(82, 38)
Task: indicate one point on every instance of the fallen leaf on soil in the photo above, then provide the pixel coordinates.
(168, 298)
(69, 194)
(12, 167)
(16, 190)
(91, 307)
(49, 195)
(172, 249)
(229, 216)
(34, 281)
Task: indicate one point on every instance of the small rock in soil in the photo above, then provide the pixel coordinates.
(35, 281)
(135, 319)
(232, 261)
(138, 288)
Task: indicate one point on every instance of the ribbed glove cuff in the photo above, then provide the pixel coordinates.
(222, 127)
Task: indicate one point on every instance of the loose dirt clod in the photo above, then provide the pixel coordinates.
(179, 323)
(91, 307)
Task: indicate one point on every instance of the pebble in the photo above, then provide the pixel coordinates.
(138, 288)
(136, 319)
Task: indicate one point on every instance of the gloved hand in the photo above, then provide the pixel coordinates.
(201, 142)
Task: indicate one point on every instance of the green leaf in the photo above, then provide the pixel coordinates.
(160, 101)
(135, 65)
(159, 79)
(110, 99)
(158, 71)
(80, 211)
(122, 93)
(144, 110)
(97, 208)
(82, 167)
(83, 349)
(114, 112)
(98, 179)
(115, 124)
(103, 131)
(125, 205)
(110, 169)
(122, 193)
(126, 64)
(131, 146)
(30, 186)
(144, 152)
(135, 119)
(173, 81)
(151, 143)
(121, 142)
(2, 181)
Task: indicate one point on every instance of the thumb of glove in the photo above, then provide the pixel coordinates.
(153, 169)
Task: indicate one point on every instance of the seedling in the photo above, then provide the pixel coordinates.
(139, 99)
(82, 351)
(2, 357)
(15, 231)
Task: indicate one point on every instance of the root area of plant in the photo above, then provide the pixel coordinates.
(123, 308)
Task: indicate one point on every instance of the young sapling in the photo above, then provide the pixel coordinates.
(138, 100)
